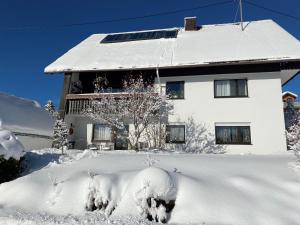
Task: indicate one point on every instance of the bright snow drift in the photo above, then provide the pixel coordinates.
(177, 188)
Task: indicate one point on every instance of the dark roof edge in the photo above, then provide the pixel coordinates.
(210, 64)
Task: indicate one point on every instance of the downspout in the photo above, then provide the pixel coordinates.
(158, 78)
(159, 84)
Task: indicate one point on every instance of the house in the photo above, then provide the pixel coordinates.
(227, 77)
(29, 122)
(290, 106)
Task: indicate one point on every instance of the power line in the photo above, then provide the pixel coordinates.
(120, 19)
(271, 10)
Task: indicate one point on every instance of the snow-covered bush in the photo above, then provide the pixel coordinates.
(198, 139)
(60, 136)
(151, 193)
(11, 152)
(102, 194)
(154, 192)
(293, 136)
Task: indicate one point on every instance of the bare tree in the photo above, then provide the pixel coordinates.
(140, 105)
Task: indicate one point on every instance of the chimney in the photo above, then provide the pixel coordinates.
(190, 23)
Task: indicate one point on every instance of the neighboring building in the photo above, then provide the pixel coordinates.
(30, 123)
(290, 106)
(288, 96)
(221, 75)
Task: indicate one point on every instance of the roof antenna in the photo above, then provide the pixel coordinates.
(241, 13)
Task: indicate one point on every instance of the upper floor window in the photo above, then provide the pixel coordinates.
(231, 88)
(175, 89)
(102, 132)
(175, 134)
(233, 135)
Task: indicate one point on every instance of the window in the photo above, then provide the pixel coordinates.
(102, 132)
(231, 88)
(175, 90)
(233, 135)
(175, 134)
(137, 36)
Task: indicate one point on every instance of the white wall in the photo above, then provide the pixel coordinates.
(262, 109)
(80, 128)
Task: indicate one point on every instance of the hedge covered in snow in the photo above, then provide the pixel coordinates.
(11, 153)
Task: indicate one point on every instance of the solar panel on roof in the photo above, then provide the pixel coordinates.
(114, 38)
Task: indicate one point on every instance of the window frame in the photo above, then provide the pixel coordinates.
(237, 90)
(93, 134)
(239, 132)
(179, 81)
(168, 126)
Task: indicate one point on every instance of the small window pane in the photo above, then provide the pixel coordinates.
(175, 90)
(234, 135)
(102, 132)
(222, 87)
(245, 135)
(242, 88)
(175, 134)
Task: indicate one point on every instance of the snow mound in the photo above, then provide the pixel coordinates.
(180, 189)
(154, 192)
(10, 146)
(24, 116)
(151, 193)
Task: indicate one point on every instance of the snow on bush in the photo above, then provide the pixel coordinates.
(198, 139)
(293, 136)
(10, 146)
(11, 151)
(102, 194)
(152, 192)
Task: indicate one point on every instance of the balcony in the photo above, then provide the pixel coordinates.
(77, 103)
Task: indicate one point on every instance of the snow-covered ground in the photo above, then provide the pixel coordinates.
(128, 187)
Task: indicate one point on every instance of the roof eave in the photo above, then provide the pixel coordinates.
(206, 64)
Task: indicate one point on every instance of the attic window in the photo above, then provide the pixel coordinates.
(114, 38)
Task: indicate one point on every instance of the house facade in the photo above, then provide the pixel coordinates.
(220, 75)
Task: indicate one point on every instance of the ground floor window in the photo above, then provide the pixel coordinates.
(233, 135)
(102, 132)
(175, 134)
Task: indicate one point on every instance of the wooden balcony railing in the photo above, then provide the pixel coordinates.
(77, 103)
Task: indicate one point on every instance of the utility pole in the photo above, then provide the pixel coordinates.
(241, 13)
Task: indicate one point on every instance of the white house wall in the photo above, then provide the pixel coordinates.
(263, 109)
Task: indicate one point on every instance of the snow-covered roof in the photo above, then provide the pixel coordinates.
(261, 40)
(289, 93)
(24, 116)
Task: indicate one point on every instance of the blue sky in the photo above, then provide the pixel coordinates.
(30, 36)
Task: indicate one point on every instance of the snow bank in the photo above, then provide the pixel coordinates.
(183, 189)
(10, 147)
(24, 116)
